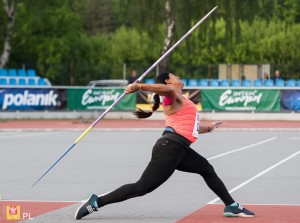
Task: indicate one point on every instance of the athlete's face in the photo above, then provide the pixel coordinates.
(175, 80)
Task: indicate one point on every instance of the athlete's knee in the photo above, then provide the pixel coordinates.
(211, 170)
(142, 188)
(208, 171)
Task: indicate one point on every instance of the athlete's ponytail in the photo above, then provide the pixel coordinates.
(161, 79)
(142, 114)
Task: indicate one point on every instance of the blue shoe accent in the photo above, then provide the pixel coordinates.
(235, 204)
(237, 211)
(95, 204)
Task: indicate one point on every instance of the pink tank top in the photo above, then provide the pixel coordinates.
(186, 121)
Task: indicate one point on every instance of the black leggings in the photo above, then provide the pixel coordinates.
(168, 156)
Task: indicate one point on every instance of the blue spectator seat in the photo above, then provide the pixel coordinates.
(3, 81)
(31, 73)
(3, 72)
(12, 81)
(269, 83)
(12, 72)
(42, 82)
(246, 83)
(203, 83)
(149, 81)
(298, 83)
(22, 73)
(235, 83)
(214, 83)
(257, 83)
(280, 83)
(192, 82)
(291, 83)
(225, 83)
(31, 81)
(22, 81)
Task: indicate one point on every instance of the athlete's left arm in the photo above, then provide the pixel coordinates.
(208, 129)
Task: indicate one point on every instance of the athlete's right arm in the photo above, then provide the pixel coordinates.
(160, 89)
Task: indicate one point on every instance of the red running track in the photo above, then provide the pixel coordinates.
(105, 124)
(264, 214)
(17, 211)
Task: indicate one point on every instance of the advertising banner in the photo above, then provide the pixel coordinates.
(290, 100)
(32, 99)
(240, 100)
(100, 99)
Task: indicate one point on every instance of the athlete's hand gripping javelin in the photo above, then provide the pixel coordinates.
(130, 88)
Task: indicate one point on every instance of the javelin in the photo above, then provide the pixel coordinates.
(119, 99)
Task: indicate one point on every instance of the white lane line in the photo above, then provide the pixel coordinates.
(42, 201)
(100, 195)
(25, 135)
(266, 204)
(243, 148)
(258, 175)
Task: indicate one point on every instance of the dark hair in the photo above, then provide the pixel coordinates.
(160, 79)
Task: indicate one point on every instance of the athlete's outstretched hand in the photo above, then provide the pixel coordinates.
(216, 124)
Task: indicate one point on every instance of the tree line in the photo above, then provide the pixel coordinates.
(74, 41)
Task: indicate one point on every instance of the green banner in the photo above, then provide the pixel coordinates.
(240, 100)
(100, 99)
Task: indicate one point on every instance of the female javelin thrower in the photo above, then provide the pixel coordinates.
(171, 151)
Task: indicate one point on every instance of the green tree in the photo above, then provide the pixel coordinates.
(10, 8)
(91, 39)
(46, 37)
